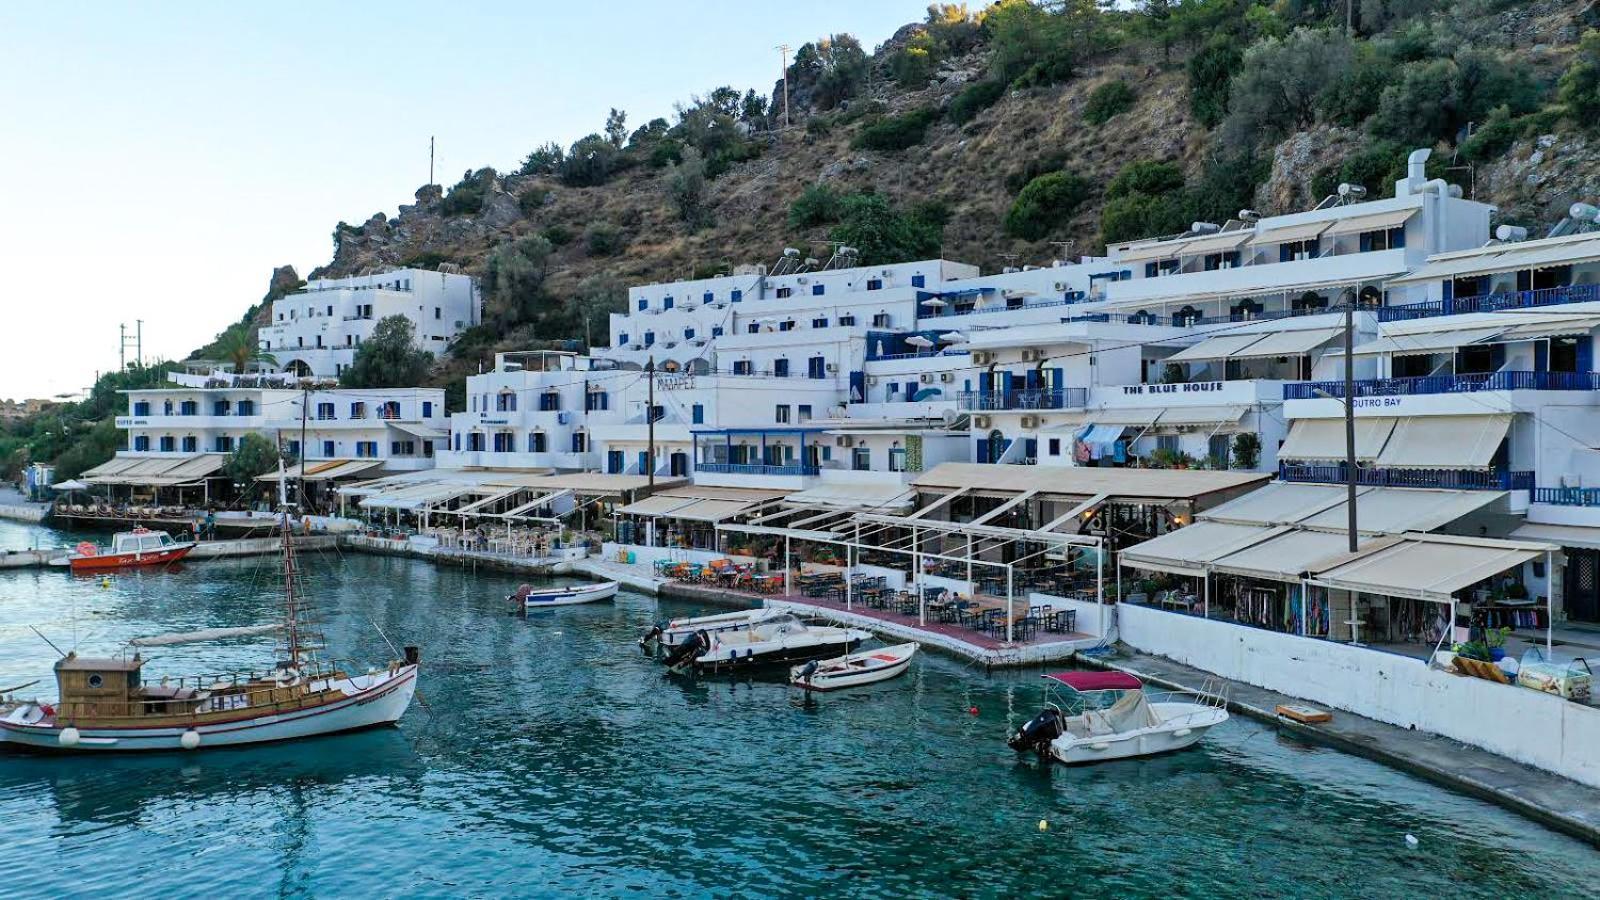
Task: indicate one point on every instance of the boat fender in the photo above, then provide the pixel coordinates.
(190, 739)
(69, 737)
(47, 709)
(1099, 745)
(1183, 732)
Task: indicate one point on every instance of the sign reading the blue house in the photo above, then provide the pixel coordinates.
(1195, 387)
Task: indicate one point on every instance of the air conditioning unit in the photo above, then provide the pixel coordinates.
(887, 273)
(802, 280)
(844, 440)
(947, 377)
(872, 381)
(1030, 355)
(926, 378)
(1030, 422)
(1061, 287)
(982, 357)
(832, 368)
(980, 422)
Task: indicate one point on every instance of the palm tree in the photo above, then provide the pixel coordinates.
(237, 346)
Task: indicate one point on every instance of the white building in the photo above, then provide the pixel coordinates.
(181, 435)
(318, 330)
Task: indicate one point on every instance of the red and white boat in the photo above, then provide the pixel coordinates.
(139, 547)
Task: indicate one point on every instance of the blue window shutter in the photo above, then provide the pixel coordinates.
(1150, 270)
(817, 290)
(1397, 238)
(919, 281)
(1284, 252)
(1541, 356)
(1366, 241)
(699, 414)
(736, 296)
(1586, 354)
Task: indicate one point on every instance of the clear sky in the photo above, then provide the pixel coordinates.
(161, 158)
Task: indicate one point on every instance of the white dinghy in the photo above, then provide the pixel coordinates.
(568, 595)
(1108, 716)
(854, 669)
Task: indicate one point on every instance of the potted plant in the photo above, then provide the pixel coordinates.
(1246, 450)
(1495, 640)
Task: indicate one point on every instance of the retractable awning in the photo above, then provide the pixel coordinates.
(1288, 343)
(1202, 415)
(1375, 222)
(1144, 252)
(1445, 442)
(157, 471)
(325, 470)
(1279, 503)
(1324, 439)
(418, 430)
(1191, 549)
(1286, 557)
(711, 510)
(1389, 510)
(886, 497)
(1506, 258)
(656, 505)
(1428, 341)
(1220, 242)
(1132, 417)
(1290, 233)
(1574, 327)
(1429, 567)
(1220, 347)
(1565, 535)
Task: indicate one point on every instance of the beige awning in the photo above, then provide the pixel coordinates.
(1190, 550)
(325, 470)
(1217, 348)
(1286, 557)
(1565, 535)
(163, 471)
(1145, 252)
(1429, 567)
(1289, 343)
(1290, 233)
(1574, 326)
(426, 432)
(711, 510)
(656, 505)
(1324, 439)
(1085, 481)
(1427, 341)
(1202, 415)
(1279, 503)
(1132, 417)
(886, 497)
(1445, 442)
(1220, 242)
(1391, 510)
(1375, 222)
(1538, 254)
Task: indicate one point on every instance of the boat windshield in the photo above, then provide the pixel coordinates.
(1075, 703)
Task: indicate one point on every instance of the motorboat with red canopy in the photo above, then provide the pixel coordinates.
(1107, 715)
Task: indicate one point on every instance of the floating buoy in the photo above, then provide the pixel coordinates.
(190, 739)
(1044, 824)
(1411, 840)
(105, 581)
(68, 737)
(972, 710)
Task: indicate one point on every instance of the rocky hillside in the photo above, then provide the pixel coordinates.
(994, 137)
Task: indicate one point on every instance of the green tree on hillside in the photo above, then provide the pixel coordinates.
(885, 234)
(255, 455)
(1580, 84)
(513, 281)
(239, 347)
(390, 358)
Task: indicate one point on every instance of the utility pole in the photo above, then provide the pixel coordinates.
(138, 342)
(650, 419)
(783, 52)
(1350, 412)
(122, 347)
(430, 159)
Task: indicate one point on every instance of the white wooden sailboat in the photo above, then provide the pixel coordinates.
(854, 669)
(568, 595)
(105, 705)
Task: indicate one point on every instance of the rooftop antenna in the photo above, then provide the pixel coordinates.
(1064, 248)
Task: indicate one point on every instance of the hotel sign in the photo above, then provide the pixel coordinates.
(1151, 390)
(675, 382)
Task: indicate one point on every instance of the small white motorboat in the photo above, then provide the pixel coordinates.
(854, 669)
(673, 633)
(782, 639)
(567, 595)
(1108, 716)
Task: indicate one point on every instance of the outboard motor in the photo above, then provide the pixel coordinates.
(654, 634)
(684, 654)
(1037, 733)
(809, 670)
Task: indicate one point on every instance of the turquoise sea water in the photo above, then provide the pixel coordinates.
(558, 761)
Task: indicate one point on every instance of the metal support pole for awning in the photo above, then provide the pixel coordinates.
(788, 569)
(1549, 601)
(1010, 599)
(1100, 585)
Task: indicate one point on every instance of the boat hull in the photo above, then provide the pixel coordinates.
(1181, 725)
(825, 680)
(108, 561)
(586, 593)
(371, 701)
(732, 659)
(679, 630)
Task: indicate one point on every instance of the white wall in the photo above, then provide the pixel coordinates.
(1528, 726)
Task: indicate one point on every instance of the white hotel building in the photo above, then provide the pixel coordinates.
(318, 330)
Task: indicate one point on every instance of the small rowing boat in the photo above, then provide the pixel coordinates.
(567, 595)
(855, 669)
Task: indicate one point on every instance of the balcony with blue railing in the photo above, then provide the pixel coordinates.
(1182, 319)
(1448, 479)
(1024, 399)
(1447, 384)
(1499, 302)
(1567, 496)
(791, 469)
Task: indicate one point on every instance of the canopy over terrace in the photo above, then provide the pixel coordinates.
(160, 472)
(688, 516)
(1119, 504)
(938, 553)
(490, 493)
